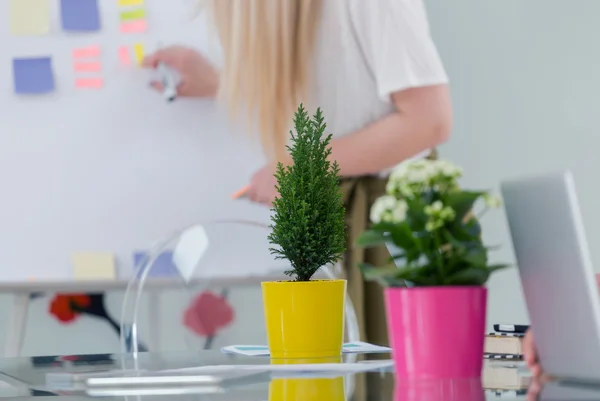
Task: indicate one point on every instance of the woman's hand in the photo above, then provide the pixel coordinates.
(536, 385)
(531, 356)
(262, 186)
(198, 77)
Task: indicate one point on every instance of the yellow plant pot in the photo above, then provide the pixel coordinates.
(304, 319)
(307, 389)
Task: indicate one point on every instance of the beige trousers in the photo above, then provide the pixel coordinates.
(367, 298)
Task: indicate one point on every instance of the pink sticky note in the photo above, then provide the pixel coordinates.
(87, 52)
(134, 26)
(94, 66)
(124, 56)
(91, 83)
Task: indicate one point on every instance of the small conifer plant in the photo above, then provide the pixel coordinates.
(308, 220)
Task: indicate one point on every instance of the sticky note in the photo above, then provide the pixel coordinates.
(87, 52)
(29, 17)
(134, 26)
(89, 83)
(163, 266)
(138, 50)
(33, 75)
(94, 66)
(129, 3)
(93, 266)
(80, 15)
(133, 15)
(124, 55)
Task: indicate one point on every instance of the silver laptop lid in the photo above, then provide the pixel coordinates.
(556, 273)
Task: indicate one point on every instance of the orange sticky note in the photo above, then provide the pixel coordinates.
(89, 83)
(87, 52)
(139, 26)
(124, 55)
(87, 67)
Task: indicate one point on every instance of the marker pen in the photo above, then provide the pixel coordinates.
(167, 76)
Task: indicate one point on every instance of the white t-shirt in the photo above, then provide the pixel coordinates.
(365, 51)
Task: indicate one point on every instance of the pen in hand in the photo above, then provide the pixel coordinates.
(241, 193)
(169, 80)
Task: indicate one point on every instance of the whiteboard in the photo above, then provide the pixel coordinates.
(113, 169)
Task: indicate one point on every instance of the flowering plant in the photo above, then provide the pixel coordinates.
(431, 221)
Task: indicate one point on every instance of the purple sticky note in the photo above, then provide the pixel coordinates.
(163, 266)
(33, 75)
(80, 15)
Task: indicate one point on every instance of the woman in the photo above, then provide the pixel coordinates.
(370, 65)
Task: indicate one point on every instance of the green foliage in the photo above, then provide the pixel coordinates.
(308, 219)
(430, 219)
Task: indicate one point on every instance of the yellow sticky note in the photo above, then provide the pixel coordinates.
(29, 17)
(129, 3)
(93, 266)
(138, 49)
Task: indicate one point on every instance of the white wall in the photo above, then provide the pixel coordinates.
(525, 82)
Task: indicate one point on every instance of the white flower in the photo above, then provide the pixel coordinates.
(438, 215)
(413, 177)
(401, 188)
(491, 201)
(382, 206)
(434, 209)
(419, 175)
(409, 177)
(399, 172)
(419, 163)
(447, 214)
(399, 212)
(448, 169)
(388, 209)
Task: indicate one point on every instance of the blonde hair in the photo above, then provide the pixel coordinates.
(267, 47)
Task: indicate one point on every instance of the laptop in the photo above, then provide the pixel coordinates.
(556, 272)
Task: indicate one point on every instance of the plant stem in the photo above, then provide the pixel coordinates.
(438, 252)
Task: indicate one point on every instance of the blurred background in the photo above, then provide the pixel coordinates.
(524, 86)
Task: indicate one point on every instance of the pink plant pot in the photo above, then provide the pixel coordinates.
(437, 332)
(440, 390)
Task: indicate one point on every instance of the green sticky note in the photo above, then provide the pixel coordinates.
(133, 15)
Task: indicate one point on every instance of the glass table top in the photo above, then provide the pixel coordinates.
(37, 376)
